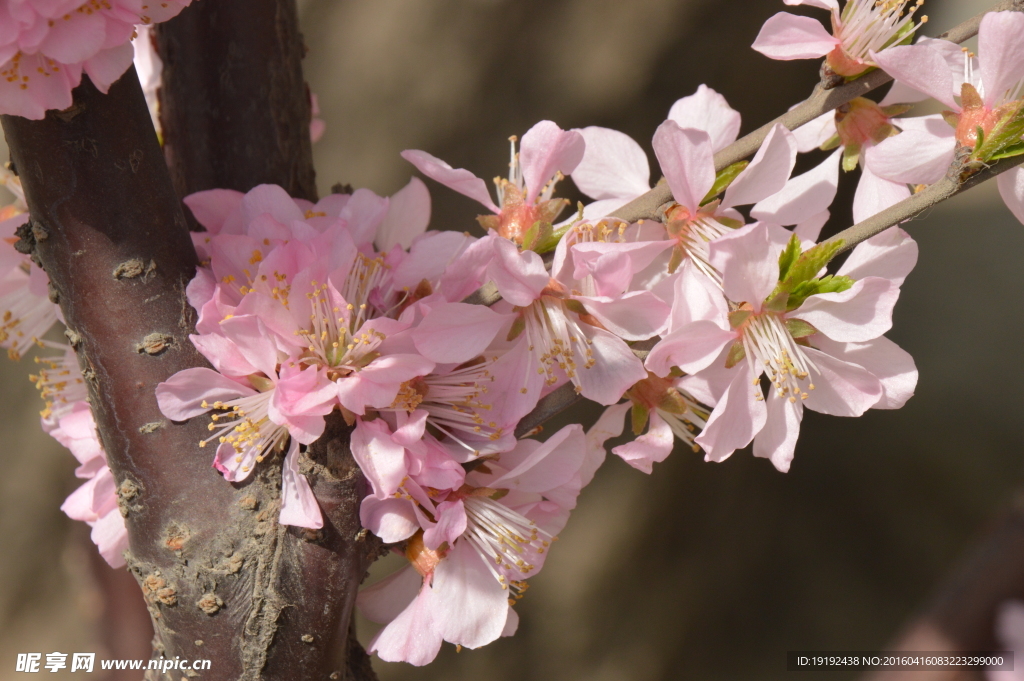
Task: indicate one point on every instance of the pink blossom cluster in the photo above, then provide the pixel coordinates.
(46, 46)
(26, 316)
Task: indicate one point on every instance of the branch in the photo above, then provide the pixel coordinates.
(821, 101)
(946, 188)
(234, 107)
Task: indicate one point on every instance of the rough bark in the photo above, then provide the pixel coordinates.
(222, 580)
(234, 107)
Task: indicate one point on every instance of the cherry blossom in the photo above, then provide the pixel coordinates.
(861, 29)
(46, 46)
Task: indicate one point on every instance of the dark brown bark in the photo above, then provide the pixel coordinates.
(234, 107)
(223, 581)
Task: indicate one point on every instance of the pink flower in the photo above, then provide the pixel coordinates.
(45, 45)
(989, 89)
(548, 153)
(483, 541)
(863, 28)
(26, 313)
(256, 416)
(818, 340)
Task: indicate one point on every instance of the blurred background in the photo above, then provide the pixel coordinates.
(702, 570)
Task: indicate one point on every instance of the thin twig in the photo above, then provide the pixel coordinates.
(946, 188)
(820, 102)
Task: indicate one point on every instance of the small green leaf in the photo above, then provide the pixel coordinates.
(809, 264)
(724, 179)
(798, 328)
(1009, 152)
(789, 256)
(639, 416)
(737, 317)
(551, 242)
(538, 233)
(517, 328)
(736, 355)
(778, 302)
(574, 305)
(827, 284)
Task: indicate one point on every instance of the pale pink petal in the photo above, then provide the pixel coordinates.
(787, 36)
(832, 5)
(412, 636)
(298, 505)
(612, 265)
(385, 600)
(75, 37)
(253, 340)
(511, 623)
(875, 194)
(451, 523)
(810, 229)
(1011, 188)
(377, 384)
(107, 66)
(652, 447)
(181, 396)
(408, 216)
(889, 363)
(461, 180)
(212, 207)
(810, 136)
(768, 171)
(543, 466)
(708, 386)
(890, 255)
(519, 276)
(43, 92)
(453, 333)
(687, 161)
(858, 314)
(708, 111)
(777, 440)
(472, 606)
(363, 214)
(111, 538)
(410, 427)
(272, 200)
(234, 466)
(381, 460)
(393, 520)
(748, 263)
(609, 425)
(468, 270)
(920, 67)
(691, 348)
(637, 315)
(912, 157)
(1000, 54)
(616, 368)
(841, 388)
(545, 150)
(613, 166)
(736, 419)
(803, 196)
(696, 297)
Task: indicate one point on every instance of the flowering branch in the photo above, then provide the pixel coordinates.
(821, 101)
(949, 186)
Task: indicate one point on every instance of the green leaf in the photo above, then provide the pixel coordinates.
(827, 284)
(798, 328)
(1009, 152)
(724, 179)
(736, 355)
(1004, 134)
(537, 233)
(517, 328)
(639, 416)
(550, 243)
(737, 317)
(789, 256)
(809, 263)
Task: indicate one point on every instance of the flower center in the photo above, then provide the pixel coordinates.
(771, 349)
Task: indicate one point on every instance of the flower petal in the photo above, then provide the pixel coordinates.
(890, 255)
(920, 67)
(652, 447)
(613, 166)
(841, 388)
(547, 149)
(875, 194)
(858, 314)
(748, 263)
(803, 196)
(788, 36)
(912, 157)
(453, 333)
(708, 111)
(461, 180)
(777, 440)
(687, 161)
(768, 172)
(181, 396)
(298, 505)
(1000, 54)
(407, 217)
(735, 420)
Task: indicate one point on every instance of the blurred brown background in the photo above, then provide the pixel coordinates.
(709, 571)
